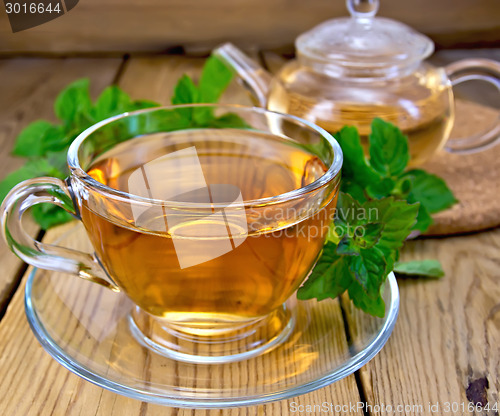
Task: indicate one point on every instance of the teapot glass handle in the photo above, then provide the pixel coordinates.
(475, 69)
(255, 78)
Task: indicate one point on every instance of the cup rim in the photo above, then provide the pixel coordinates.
(77, 171)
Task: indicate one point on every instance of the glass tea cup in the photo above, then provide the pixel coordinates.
(207, 217)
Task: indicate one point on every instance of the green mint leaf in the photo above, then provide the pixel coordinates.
(381, 189)
(48, 215)
(142, 104)
(229, 120)
(373, 305)
(369, 269)
(203, 116)
(424, 220)
(111, 102)
(32, 169)
(350, 212)
(425, 268)
(215, 77)
(332, 276)
(13, 178)
(55, 140)
(370, 236)
(389, 153)
(355, 167)
(398, 217)
(385, 225)
(363, 237)
(30, 140)
(361, 225)
(430, 190)
(59, 162)
(38, 139)
(354, 189)
(73, 104)
(402, 188)
(166, 120)
(347, 246)
(185, 92)
(329, 278)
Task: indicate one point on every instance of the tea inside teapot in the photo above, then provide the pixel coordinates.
(420, 105)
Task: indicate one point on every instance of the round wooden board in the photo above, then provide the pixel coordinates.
(473, 178)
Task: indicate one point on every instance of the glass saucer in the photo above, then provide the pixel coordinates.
(86, 328)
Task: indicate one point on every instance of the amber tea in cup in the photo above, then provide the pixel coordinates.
(270, 263)
(207, 228)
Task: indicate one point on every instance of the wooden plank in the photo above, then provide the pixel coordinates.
(33, 383)
(28, 88)
(156, 25)
(448, 331)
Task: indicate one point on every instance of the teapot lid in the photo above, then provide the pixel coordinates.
(364, 41)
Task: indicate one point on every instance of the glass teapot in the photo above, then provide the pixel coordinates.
(353, 69)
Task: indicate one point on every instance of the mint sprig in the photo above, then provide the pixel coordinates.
(363, 246)
(385, 174)
(381, 203)
(45, 144)
(215, 78)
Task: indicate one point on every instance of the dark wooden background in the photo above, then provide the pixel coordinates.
(104, 26)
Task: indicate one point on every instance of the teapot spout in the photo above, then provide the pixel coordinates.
(255, 78)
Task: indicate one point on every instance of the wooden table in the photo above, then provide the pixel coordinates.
(444, 349)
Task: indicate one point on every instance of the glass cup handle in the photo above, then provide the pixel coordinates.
(36, 253)
(475, 69)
